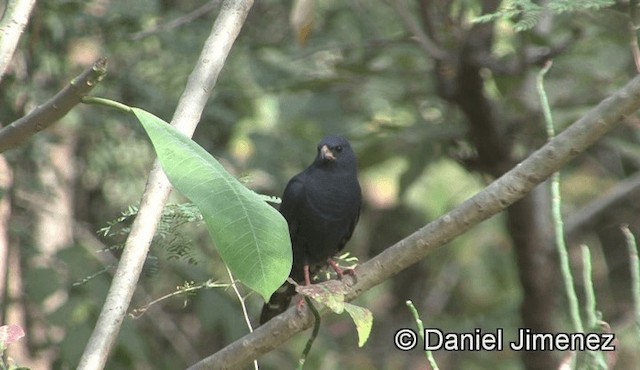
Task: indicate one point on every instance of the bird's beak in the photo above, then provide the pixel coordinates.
(326, 153)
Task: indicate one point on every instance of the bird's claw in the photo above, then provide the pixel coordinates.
(339, 271)
(300, 306)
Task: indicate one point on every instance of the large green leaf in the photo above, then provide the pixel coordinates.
(252, 237)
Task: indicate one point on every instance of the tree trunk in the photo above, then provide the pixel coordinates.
(529, 226)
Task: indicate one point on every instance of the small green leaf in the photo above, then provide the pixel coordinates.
(251, 236)
(331, 294)
(363, 319)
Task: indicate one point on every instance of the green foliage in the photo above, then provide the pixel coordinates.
(360, 74)
(251, 236)
(170, 234)
(331, 295)
(525, 13)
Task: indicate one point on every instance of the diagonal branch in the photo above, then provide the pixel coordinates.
(12, 24)
(428, 46)
(175, 23)
(188, 112)
(495, 198)
(586, 217)
(55, 108)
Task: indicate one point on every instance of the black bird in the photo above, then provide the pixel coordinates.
(321, 205)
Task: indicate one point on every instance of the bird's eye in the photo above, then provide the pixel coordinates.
(338, 148)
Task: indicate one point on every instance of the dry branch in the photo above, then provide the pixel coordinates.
(55, 108)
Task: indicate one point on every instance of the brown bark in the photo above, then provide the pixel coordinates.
(532, 236)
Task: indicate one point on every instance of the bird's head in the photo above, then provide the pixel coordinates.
(335, 149)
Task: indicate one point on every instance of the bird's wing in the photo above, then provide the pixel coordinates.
(292, 200)
(349, 233)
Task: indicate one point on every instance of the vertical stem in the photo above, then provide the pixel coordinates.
(556, 204)
(590, 297)
(243, 305)
(596, 358)
(416, 317)
(635, 273)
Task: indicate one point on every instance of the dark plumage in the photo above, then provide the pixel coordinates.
(321, 205)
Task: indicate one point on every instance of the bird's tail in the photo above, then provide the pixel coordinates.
(278, 303)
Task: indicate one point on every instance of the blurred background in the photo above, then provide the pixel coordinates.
(436, 107)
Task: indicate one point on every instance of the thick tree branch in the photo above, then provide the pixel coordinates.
(499, 195)
(55, 108)
(486, 129)
(188, 112)
(13, 22)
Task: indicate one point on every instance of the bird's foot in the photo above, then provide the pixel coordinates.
(300, 306)
(307, 283)
(340, 271)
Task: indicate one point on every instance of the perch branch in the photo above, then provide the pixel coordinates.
(499, 195)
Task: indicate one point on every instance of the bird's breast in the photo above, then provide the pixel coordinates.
(333, 201)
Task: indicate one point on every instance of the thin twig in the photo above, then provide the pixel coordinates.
(188, 288)
(242, 303)
(245, 313)
(175, 23)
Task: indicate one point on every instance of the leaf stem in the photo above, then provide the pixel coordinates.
(106, 102)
